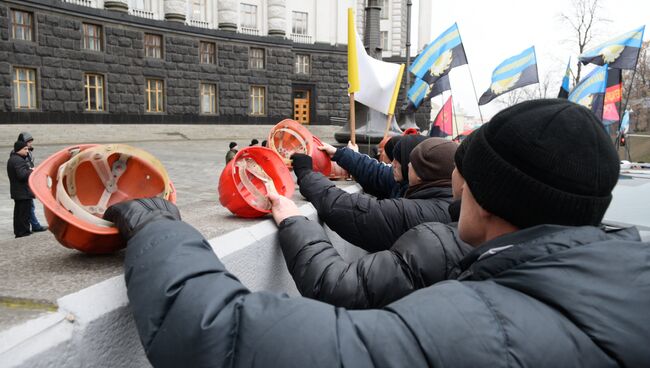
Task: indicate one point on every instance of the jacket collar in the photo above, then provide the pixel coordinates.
(509, 250)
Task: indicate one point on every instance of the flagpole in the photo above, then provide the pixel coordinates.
(388, 121)
(471, 77)
(453, 111)
(353, 128)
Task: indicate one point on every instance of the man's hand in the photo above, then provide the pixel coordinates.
(328, 148)
(353, 146)
(282, 207)
(131, 216)
(302, 164)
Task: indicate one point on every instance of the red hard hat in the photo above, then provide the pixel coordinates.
(411, 131)
(289, 136)
(248, 178)
(77, 184)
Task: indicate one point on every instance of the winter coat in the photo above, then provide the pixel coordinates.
(556, 297)
(424, 255)
(370, 223)
(375, 177)
(19, 171)
(230, 155)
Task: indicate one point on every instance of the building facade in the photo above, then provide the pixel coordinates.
(179, 61)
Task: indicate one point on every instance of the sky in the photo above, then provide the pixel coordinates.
(495, 30)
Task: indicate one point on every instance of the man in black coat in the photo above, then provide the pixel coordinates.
(543, 287)
(33, 220)
(18, 171)
(374, 224)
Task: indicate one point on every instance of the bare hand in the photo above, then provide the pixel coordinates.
(328, 148)
(353, 146)
(282, 207)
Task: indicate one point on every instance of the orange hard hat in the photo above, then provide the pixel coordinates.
(248, 178)
(289, 136)
(411, 131)
(77, 184)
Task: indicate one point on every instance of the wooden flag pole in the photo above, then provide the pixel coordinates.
(353, 128)
(388, 121)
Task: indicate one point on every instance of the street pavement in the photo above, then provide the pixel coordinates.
(36, 270)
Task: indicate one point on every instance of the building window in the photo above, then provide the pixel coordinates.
(249, 16)
(155, 95)
(208, 52)
(25, 88)
(302, 64)
(94, 85)
(208, 98)
(153, 46)
(22, 25)
(92, 37)
(258, 97)
(383, 14)
(383, 40)
(256, 58)
(142, 5)
(299, 23)
(198, 9)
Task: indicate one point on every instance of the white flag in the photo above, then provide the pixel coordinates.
(377, 80)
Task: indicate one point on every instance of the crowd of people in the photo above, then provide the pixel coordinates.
(490, 253)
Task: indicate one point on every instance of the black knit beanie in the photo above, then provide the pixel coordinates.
(542, 162)
(19, 145)
(232, 145)
(402, 152)
(462, 148)
(390, 146)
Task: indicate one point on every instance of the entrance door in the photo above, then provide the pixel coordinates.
(301, 106)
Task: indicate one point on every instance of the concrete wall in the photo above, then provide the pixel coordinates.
(94, 327)
(60, 60)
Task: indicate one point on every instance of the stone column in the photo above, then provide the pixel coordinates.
(371, 39)
(117, 5)
(227, 15)
(175, 10)
(277, 10)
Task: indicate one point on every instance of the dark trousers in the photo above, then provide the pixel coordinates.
(32, 217)
(22, 208)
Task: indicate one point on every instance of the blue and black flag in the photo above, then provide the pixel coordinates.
(440, 56)
(517, 71)
(590, 92)
(620, 52)
(421, 91)
(566, 82)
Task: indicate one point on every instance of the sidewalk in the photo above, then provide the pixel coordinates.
(36, 270)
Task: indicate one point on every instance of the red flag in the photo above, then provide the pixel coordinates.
(444, 119)
(612, 95)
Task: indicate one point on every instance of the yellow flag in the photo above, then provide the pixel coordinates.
(353, 65)
(393, 100)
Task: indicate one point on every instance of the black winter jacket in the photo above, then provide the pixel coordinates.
(557, 297)
(375, 177)
(18, 171)
(424, 255)
(370, 223)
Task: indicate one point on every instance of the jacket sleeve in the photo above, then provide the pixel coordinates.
(369, 223)
(375, 178)
(190, 311)
(22, 170)
(417, 260)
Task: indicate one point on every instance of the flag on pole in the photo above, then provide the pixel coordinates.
(613, 94)
(440, 56)
(444, 120)
(422, 91)
(625, 123)
(620, 52)
(566, 82)
(353, 65)
(590, 92)
(514, 72)
(373, 81)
